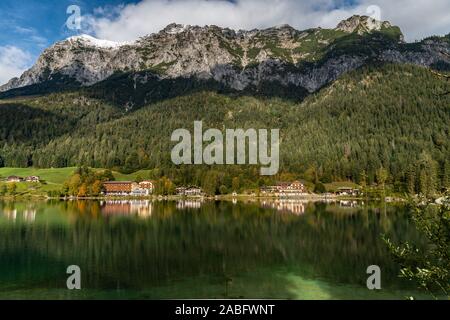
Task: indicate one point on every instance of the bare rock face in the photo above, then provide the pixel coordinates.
(237, 59)
(362, 24)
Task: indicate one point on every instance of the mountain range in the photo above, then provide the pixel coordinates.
(348, 101)
(237, 60)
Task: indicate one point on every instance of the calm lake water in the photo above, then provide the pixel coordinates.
(194, 249)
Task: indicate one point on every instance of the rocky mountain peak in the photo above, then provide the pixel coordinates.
(362, 24)
(236, 59)
(89, 41)
(175, 28)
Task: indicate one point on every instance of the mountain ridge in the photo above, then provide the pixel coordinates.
(198, 51)
(392, 116)
(236, 60)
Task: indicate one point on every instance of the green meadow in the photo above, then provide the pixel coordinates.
(53, 179)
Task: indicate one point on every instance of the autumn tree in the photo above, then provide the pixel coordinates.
(12, 188)
(165, 187)
(96, 188)
(83, 191)
(3, 190)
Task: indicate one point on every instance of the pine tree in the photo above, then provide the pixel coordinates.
(446, 175)
(427, 175)
(411, 180)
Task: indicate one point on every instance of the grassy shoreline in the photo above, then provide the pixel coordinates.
(52, 179)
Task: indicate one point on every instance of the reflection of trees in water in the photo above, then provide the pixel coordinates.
(219, 239)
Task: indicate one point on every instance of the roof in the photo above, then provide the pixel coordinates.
(119, 182)
(288, 184)
(283, 184)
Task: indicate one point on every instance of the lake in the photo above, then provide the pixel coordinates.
(287, 249)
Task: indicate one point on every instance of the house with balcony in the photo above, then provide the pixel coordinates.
(34, 179)
(348, 192)
(128, 188)
(285, 189)
(148, 186)
(119, 188)
(192, 191)
(14, 179)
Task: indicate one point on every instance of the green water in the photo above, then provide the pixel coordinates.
(192, 249)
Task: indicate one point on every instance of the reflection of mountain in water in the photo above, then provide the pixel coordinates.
(141, 208)
(191, 254)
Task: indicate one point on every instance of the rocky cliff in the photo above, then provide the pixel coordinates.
(237, 59)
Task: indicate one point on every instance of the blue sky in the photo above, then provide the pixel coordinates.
(33, 25)
(27, 27)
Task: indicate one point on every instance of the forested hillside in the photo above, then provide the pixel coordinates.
(381, 116)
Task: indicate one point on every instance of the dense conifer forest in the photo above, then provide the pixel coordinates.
(382, 124)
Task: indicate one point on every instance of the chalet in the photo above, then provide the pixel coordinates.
(348, 192)
(147, 185)
(119, 188)
(14, 179)
(128, 188)
(285, 189)
(32, 179)
(190, 192)
(180, 191)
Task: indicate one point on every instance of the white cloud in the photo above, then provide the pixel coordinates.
(13, 62)
(417, 18)
(32, 35)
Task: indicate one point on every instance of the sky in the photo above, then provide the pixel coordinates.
(27, 27)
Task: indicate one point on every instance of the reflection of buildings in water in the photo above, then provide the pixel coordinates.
(141, 208)
(189, 204)
(291, 206)
(29, 215)
(10, 214)
(348, 204)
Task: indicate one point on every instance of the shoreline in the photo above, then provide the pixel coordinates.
(306, 198)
